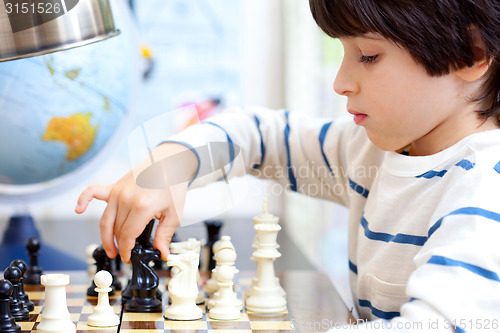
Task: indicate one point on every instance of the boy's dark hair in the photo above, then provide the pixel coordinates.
(435, 32)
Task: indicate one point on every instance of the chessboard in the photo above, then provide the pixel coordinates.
(80, 307)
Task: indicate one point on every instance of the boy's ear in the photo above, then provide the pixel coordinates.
(481, 62)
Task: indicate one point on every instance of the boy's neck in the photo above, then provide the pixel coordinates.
(435, 141)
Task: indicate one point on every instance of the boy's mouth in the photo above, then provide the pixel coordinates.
(358, 117)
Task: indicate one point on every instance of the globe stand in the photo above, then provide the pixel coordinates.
(19, 229)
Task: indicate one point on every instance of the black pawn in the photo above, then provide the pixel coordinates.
(17, 310)
(7, 323)
(103, 263)
(213, 231)
(34, 271)
(28, 305)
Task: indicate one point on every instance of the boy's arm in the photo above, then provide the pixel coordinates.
(304, 154)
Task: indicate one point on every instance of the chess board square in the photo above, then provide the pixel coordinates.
(186, 325)
(75, 302)
(272, 325)
(36, 311)
(88, 309)
(37, 295)
(142, 316)
(141, 325)
(281, 316)
(83, 327)
(75, 317)
(26, 325)
(228, 325)
(137, 321)
(76, 288)
(229, 331)
(33, 317)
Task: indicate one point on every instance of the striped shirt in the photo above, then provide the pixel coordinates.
(424, 232)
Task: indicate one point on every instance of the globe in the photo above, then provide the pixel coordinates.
(60, 116)
(61, 112)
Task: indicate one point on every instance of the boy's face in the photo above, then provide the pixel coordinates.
(397, 102)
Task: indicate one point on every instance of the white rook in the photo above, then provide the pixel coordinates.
(55, 316)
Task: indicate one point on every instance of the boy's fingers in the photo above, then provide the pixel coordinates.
(164, 233)
(132, 228)
(107, 225)
(99, 192)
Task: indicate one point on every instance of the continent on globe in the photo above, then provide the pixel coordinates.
(75, 131)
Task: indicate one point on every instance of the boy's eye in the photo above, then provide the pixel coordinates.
(368, 59)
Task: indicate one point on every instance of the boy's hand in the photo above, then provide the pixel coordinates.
(130, 208)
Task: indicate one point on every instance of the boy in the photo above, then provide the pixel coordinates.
(422, 80)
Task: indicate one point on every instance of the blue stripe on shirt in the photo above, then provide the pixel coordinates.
(465, 164)
(378, 313)
(398, 238)
(466, 211)
(322, 136)
(230, 145)
(262, 147)
(431, 174)
(291, 176)
(444, 261)
(497, 167)
(358, 188)
(353, 267)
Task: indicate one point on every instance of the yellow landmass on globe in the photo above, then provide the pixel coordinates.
(76, 132)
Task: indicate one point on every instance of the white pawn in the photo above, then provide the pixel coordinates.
(103, 315)
(211, 285)
(55, 316)
(226, 305)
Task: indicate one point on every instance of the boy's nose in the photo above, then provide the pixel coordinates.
(345, 82)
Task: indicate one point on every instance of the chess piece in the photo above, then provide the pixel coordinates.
(89, 258)
(7, 323)
(27, 304)
(211, 286)
(266, 295)
(34, 271)
(183, 287)
(103, 263)
(55, 316)
(226, 304)
(17, 310)
(213, 234)
(143, 286)
(264, 217)
(221, 247)
(192, 245)
(103, 314)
